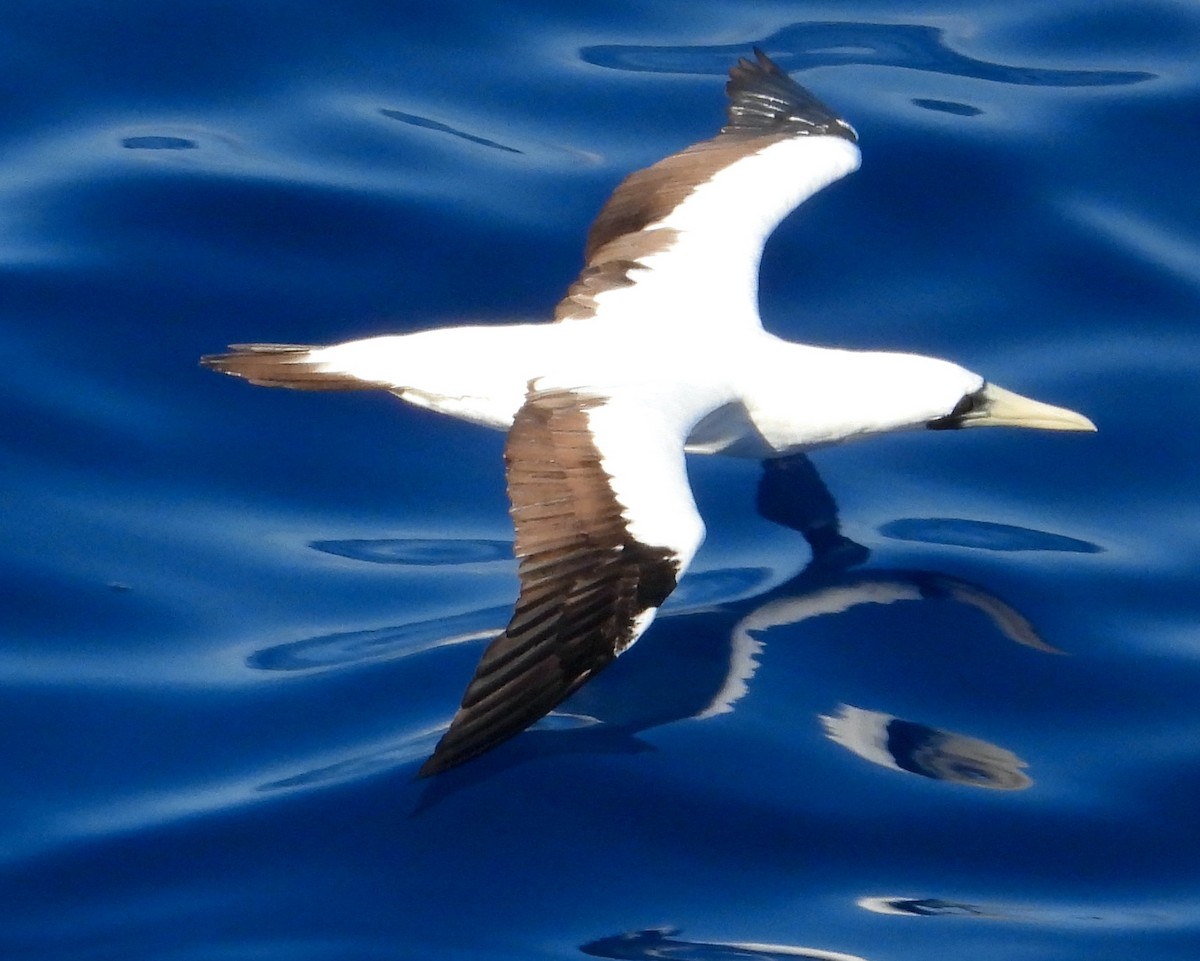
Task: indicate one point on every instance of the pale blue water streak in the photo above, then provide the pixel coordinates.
(237, 619)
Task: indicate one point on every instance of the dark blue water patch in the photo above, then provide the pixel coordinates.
(803, 46)
(124, 55)
(947, 106)
(158, 143)
(440, 127)
(983, 535)
(1150, 31)
(357, 647)
(418, 552)
(718, 586)
(157, 244)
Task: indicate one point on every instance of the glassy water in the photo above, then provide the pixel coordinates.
(928, 696)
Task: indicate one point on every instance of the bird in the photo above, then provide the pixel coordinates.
(655, 350)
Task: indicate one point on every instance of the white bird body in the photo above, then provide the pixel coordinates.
(735, 394)
(657, 348)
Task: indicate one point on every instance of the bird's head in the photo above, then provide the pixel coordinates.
(992, 406)
(886, 391)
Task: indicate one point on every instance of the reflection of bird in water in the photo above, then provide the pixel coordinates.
(827, 587)
(792, 494)
(666, 943)
(942, 755)
(691, 673)
(657, 348)
(925, 907)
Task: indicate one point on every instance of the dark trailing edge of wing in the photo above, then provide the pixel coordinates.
(584, 581)
(765, 100)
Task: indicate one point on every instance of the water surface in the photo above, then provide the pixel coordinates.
(928, 696)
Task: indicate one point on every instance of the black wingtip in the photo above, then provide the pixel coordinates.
(765, 62)
(449, 753)
(433, 765)
(764, 99)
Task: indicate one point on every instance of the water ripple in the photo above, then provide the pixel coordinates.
(152, 142)
(983, 535)
(803, 46)
(437, 125)
(418, 552)
(358, 647)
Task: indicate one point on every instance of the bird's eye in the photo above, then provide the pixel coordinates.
(969, 404)
(976, 400)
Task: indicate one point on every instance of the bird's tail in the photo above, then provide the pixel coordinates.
(283, 365)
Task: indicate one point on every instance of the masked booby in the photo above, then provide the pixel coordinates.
(656, 348)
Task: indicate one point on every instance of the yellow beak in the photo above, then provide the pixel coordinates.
(1003, 408)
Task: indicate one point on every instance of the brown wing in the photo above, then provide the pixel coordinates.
(588, 587)
(765, 106)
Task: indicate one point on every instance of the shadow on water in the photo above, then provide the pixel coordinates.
(792, 494)
(803, 46)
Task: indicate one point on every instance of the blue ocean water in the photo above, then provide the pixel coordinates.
(928, 696)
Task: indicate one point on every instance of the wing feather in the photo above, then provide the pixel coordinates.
(588, 586)
(697, 220)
